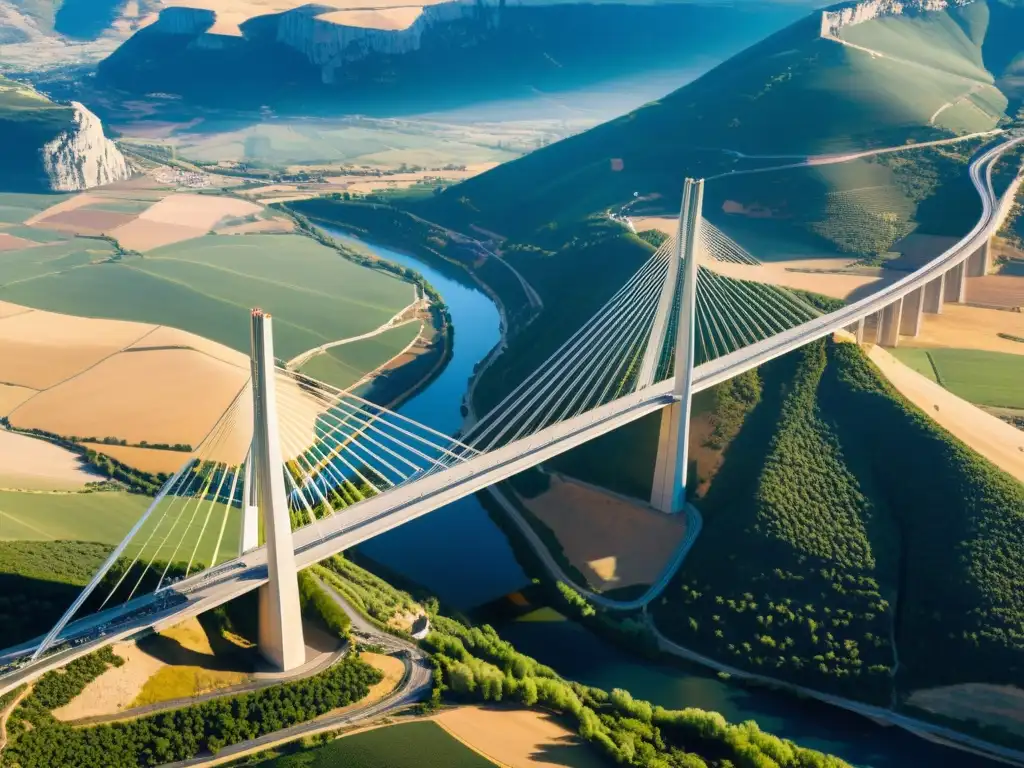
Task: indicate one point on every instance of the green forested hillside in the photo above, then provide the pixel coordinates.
(793, 93)
(843, 519)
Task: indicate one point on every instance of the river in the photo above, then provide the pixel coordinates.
(459, 553)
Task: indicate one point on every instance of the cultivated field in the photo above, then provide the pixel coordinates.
(103, 517)
(179, 217)
(27, 463)
(979, 377)
(12, 396)
(151, 460)
(207, 285)
(996, 290)
(520, 738)
(159, 396)
(396, 746)
(965, 327)
(997, 441)
(343, 366)
(613, 541)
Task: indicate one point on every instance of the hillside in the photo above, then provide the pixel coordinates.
(388, 60)
(848, 539)
(48, 146)
(795, 93)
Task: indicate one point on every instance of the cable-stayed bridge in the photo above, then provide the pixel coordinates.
(319, 470)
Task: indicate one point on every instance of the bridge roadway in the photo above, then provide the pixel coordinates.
(399, 505)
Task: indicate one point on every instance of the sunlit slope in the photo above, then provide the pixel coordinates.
(793, 93)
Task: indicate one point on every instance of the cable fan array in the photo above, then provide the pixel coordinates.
(340, 448)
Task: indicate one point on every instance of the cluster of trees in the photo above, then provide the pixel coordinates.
(316, 601)
(182, 733)
(371, 596)
(184, 447)
(962, 520)
(653, 236)
(136, 480)
(38, 581)
(474, 664)
(788, 577)
(844, 521)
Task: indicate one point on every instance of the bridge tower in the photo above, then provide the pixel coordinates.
(281, 639)
(668, 493)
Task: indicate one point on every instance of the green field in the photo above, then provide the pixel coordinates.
(207, 285)
(15, 207)
(977, 376)
(410, 745)
(106, 517)
(343, 366)
(50, 260)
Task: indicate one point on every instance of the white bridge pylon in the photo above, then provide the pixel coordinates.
(668, 491)
(280, 621)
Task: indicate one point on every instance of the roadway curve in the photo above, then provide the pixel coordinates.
(429, 492)
(415, 683)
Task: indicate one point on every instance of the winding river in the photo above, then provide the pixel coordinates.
(459, 554)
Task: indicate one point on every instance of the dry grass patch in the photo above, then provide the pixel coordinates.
(393, 669)
(997, 705)
(788, 275)
(996, 290)
(613, 541)
(997, 441)
(964, 327)
(519, 738)
(116, 688)
(145, 235)
(27, 463)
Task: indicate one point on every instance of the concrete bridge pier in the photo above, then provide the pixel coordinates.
(956, 284)
(859, 331)
(913, 307)
(280, 638)
(979, 262)
(934, 291)
(889, 330)
(668, 491)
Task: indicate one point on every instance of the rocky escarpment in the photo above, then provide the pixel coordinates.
(81, 156)
(329, 43)
(857, 13)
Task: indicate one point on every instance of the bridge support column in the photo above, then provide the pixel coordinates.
(913, 306)
(956, 284)
(933, 294)
(668, 492)
(280, 623)
(250, 538)
(889, 331)
(859, 331)
(979, 262)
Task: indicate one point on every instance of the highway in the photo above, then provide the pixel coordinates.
(432, 491)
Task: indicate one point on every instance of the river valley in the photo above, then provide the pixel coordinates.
(460, 554)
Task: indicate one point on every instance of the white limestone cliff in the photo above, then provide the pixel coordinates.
(81, 157)
(833, 21)
(330, 44)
